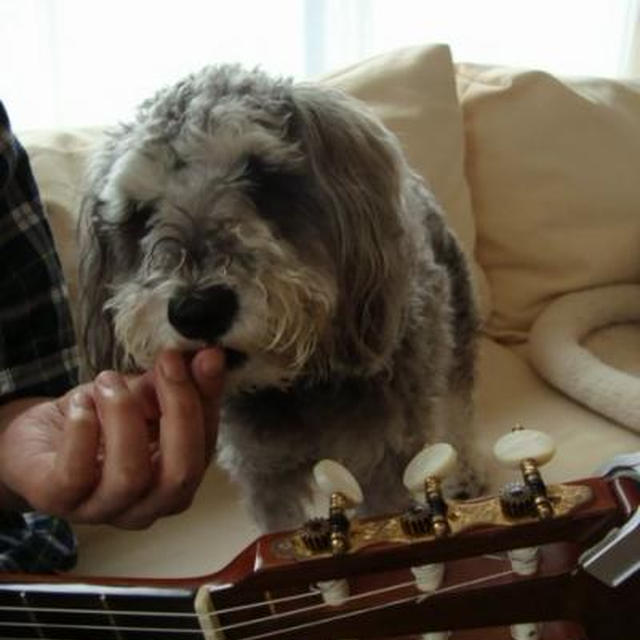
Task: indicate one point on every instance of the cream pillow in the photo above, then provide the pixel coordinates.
(413, 91)
(553, 167)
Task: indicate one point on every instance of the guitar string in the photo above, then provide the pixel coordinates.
(359, 596)
(182, 614)
(258, 620)
(176, 614)
(350, 614)
(416, 597)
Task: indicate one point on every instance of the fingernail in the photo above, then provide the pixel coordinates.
(80, 404)
(173, 367)
(109, 382)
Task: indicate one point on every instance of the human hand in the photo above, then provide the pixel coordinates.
(119, 451)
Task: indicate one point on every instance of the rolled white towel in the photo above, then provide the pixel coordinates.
(557, 354)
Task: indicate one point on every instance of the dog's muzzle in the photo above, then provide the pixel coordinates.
(203, 314)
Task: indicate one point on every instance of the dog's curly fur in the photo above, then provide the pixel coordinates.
(349, 322)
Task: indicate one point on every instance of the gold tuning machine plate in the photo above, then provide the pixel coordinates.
(461, 516)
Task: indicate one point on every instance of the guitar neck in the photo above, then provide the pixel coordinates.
(97, 612)
(383, 605)
(264, 592)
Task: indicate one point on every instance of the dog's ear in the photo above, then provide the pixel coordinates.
(97, 342)
(360, 172)
(107, 226)
(97, 222)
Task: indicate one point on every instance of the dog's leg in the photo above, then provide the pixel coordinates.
(277, 501)
(455, 427)
(384, 491)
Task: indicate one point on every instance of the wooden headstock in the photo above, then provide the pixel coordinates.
(278, 587)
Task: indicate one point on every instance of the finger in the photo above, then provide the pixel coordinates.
(207, 368)
(182, 457)
(182, 436)
(76, 472)
(126, 471)
(143, 388)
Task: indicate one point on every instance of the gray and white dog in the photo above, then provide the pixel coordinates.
(282, 222)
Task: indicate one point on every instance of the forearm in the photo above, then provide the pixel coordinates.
(9, 411)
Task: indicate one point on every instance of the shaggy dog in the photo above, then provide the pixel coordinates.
(282, 222)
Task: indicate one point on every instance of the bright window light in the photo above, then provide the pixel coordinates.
(89, 62)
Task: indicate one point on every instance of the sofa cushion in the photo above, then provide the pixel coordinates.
(413, 90)
(553, 169)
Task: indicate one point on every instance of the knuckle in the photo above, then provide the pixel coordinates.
(181, 485)
(180, 505)
(177, 503)
(118, 403)
(128, 481)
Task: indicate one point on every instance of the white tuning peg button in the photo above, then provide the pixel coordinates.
(524, 444)
(525, 631)
(332, 477)
(435, 461)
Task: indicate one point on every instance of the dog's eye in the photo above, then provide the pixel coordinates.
(131, 216)
(138, 215)
(269, 182)
(280, 194)
(142, 210)
(256, 169)
(165, 254)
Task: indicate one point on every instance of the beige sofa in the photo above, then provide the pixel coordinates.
(540, 179)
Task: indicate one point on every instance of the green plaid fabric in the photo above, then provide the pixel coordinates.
(38, 355)
(37, 543)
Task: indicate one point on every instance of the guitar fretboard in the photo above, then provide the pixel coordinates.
(88, 612)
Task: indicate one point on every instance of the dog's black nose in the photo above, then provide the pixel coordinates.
(203, 314)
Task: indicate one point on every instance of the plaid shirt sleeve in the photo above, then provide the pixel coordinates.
(38, 355)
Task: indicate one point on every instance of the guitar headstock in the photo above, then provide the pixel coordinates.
(472, 555)
(498, 565)
(432, 517)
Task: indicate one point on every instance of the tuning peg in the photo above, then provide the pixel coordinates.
(344, 493)
(435, 461)
(525, 449)
(525, 631)
(528, 449)
(521, 444)
(331, 478)
(423, 476)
